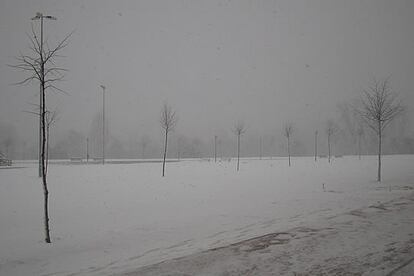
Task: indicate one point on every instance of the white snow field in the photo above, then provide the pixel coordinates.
(117, 218)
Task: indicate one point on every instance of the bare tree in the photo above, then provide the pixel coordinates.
(239, 129)
(168, 121)
(287, 132)
(331, 129)
(41, 66)
(379, 107)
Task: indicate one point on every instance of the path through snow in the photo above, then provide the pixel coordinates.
(375, 240)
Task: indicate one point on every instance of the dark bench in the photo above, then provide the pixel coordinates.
(5, 162)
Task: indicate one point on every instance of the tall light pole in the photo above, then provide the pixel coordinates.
(87, 149)
(215, 148)
(178, 149)
(103, 123)
(260, 147)
(316, 144)
(41, 16)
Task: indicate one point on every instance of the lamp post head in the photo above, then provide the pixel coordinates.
(40, 15)
(50, 17)
(103, 87)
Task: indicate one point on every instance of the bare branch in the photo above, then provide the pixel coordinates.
(51, 117)
(239, 128)
(50, 80)
(42, 64)
(379, 105)
(168, 118)
(331, 128)
(51, 53)
(55, 71)
(26, 81)
(55, 88)
(288, 130)
(31, 112)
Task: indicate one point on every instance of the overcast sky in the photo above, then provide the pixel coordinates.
(215, 62)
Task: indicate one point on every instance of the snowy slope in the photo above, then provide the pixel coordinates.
(374, 240)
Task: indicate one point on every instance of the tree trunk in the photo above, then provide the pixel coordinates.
(238, 151)
(40, 132)
(329, 149)
(359, 147)
(379, 151)
(43, 162)
(47, 147)
(288, 150)
(46, 211)
(165, 153)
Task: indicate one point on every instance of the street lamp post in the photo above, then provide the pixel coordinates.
(316, 144)
(215, 148)
(87, 149)
(260, 147)
(103, 123)
(41, 17)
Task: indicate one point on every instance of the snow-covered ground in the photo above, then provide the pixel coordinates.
(373, 240)
(115, 218)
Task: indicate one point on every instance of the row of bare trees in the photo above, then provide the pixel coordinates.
(377, 108)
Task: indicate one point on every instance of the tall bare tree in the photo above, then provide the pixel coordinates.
(287, 132)
(379, 107)
(331, 130)
(168, 121)
(239, 129)
(41, 65)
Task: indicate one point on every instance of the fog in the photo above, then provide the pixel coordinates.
(265, 63)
